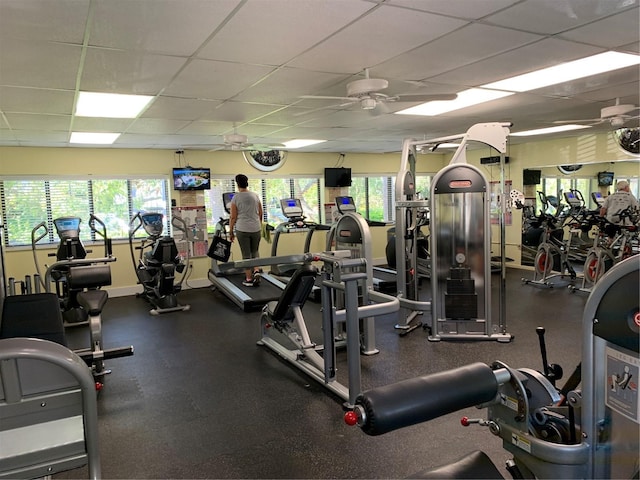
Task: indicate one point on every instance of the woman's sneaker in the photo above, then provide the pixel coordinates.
(256, 278)
(248, 283)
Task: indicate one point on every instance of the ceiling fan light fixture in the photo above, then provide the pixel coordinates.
(368, 103)
(235, 139)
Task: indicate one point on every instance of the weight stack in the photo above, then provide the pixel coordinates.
(460, 299)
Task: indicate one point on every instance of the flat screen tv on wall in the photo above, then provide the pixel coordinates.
(337, 177)
(191, 178)
(531, 177)
(605, 179)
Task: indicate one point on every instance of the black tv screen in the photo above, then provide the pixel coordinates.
(337, 177)
(605, 179)
(531, 177)
(191, 178)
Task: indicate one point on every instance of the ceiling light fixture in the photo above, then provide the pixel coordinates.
(301, 143)
(565, 72)
(110, 105)
(93, 138)
(467, 98)
(544, 131)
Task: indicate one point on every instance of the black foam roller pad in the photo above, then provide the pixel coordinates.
(424, 398)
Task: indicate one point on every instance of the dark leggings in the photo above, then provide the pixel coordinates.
(249, 242)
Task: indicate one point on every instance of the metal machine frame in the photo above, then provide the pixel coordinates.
(595, 434)
(407, 206)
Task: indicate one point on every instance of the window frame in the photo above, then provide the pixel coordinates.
(43, 183)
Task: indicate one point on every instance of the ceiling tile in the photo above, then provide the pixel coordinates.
(208, 79)
(39, 64)
(19, 121)
(128, 72)
(285, 85)
(469, 9)
(160, 26)
(159, 126)
(36, 100)
(59, 21)
(610, 32)
(262, 32)
(467, 45)
(179, 108)
(239, 112)
(552, 16)
(369, 41)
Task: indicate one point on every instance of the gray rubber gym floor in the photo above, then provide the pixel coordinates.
(199, 399)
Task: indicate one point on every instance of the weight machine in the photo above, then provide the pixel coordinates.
(594, 434)
(284, 330)
(460, 242)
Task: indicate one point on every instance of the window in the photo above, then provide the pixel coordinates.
(271, 190)
(374, 197)
(27, 203)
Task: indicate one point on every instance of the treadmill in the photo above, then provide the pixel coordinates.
(229, 282)
(384, 279)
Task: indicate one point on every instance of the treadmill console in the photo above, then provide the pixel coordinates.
(597, 198)
(345, 204)
(292, 208)
(226, 201)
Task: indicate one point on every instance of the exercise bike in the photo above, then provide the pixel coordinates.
(607, 251)
(593, 434)
(553, 252)
(158, 262)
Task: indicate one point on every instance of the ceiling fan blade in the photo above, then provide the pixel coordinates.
(323, 97)
(582, 120)
(328, 107)
(420, 97)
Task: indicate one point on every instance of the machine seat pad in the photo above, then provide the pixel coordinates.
(37, 315)
(89, 276)
(295, 293)
(475, 465)
(93, 300)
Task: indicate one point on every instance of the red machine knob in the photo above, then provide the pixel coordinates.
(351, 418)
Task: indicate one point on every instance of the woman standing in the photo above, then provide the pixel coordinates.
(245, 223)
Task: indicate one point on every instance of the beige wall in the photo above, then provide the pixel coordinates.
(40, 162)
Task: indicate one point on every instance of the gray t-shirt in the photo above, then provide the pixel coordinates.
(248, 219)
(616, 203)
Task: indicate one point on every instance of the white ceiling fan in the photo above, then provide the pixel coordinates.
(367, 93)
(617, 115)
(238, 143)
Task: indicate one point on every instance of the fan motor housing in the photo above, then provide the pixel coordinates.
(365, 86)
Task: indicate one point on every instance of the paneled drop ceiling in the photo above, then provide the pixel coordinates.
(216, 67)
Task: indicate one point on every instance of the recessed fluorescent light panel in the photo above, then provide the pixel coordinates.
(544, 131)
(111, 105)
(565, 72)
(467, 98)
(301, 143)
(93, 138)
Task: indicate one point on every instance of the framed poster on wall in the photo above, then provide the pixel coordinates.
(195, 238)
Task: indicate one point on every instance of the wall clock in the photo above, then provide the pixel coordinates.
(265, 161)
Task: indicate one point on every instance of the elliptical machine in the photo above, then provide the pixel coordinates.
(158, 262)
(71, 255)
